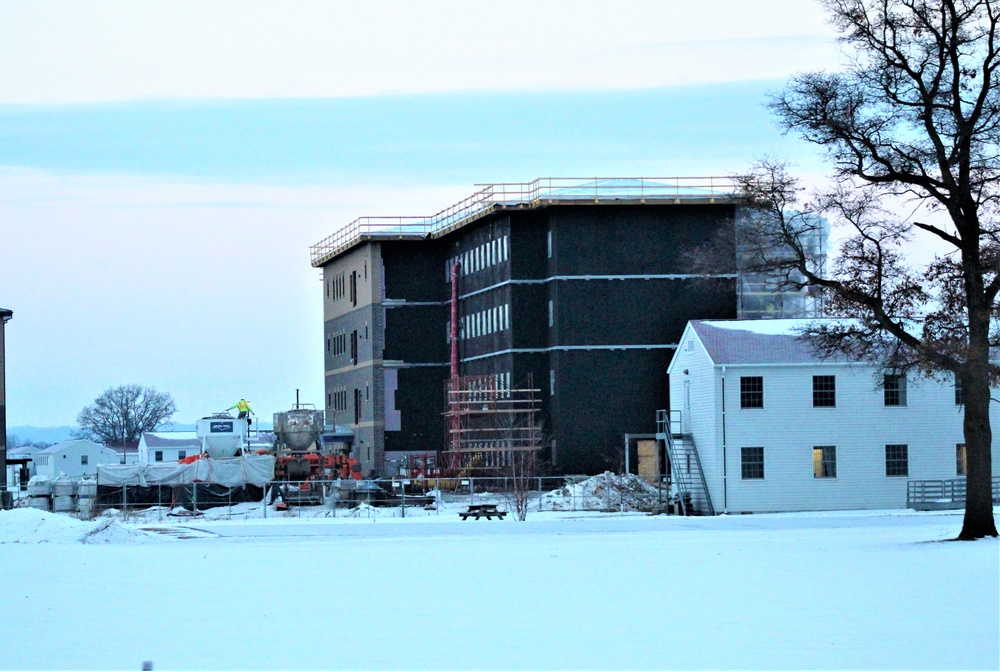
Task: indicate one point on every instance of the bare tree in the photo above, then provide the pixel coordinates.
(523, 470)
(913, 119)
(120, 414)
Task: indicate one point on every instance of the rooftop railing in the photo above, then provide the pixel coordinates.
(541, 191)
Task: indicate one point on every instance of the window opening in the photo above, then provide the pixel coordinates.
(751, 392)
(752, 463)
(825, 461)
(824, 391)
(894, 390)
(896, 461)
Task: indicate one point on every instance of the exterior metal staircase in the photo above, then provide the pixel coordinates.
(685, 466)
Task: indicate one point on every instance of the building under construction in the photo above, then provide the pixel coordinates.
(567, 296)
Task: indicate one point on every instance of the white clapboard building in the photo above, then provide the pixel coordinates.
(771, 426)
(74, 458)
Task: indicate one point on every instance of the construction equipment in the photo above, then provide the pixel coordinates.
(303, 458)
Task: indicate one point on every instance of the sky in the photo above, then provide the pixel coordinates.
(164, 166)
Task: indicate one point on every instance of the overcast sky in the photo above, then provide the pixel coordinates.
(164, 166)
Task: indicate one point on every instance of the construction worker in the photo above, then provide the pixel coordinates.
(244, 410)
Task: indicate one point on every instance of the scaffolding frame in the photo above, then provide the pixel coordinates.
(486, 424)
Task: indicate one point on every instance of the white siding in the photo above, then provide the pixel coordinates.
(65, 458)
(788, 427)
(700, 407)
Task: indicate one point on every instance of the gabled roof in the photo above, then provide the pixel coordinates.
(64, 445)
(172, 439)
(761, 341)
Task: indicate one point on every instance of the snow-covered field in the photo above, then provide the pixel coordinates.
(562, 590)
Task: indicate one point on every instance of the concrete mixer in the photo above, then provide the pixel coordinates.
(302, 457)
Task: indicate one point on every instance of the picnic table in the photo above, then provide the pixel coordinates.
(487, 510)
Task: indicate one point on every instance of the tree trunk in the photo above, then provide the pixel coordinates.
(978, 522)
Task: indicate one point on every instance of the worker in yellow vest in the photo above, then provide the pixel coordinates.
(244, 409)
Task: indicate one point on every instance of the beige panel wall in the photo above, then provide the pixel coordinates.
(337, 284)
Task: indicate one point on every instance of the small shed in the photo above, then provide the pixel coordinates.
(75, 458)
(21, 464)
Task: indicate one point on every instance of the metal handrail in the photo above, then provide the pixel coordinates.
(543, 190)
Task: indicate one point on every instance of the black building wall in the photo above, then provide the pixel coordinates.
(620, 283)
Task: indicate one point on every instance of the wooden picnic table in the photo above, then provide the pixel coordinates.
(487, 510)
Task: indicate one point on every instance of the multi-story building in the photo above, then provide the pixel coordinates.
(581, 289)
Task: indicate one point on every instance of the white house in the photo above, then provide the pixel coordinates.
(75, 458)
(167, 446)
(777, 428)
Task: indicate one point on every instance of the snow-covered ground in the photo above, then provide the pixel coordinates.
(562, 590)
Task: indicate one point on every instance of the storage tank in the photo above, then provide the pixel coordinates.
(298, 430)
(63, 495)
(87, 493)
(39, 485)
(221, 436)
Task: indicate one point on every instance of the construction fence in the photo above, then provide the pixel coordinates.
(373, 498)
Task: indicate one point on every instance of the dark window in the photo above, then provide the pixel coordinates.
(752, 463)
(896, 461)
(83, 459)
(824, 391)
(357, 406)
(354, 347)
(158, 455)
(961, 465)
(751, 392)
(825, 461)
(181, 454)
(959, 394)
(894, 388)
(354, 288)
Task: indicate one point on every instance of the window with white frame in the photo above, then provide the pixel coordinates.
(897, 463)
(894, 390)
(959, 394)
(158, 455)
(825, 461)
(824, 391)
(751, 391)
(752, 463)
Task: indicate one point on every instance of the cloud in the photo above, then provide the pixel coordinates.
(104, 50)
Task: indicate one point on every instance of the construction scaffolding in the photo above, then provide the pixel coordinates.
(486, 423)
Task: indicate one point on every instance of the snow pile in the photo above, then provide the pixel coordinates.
(364, 510)
(109, 528)
(606, 491)
(30, 525)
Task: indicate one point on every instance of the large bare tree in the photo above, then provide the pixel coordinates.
(120, 414)
(911, 125)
